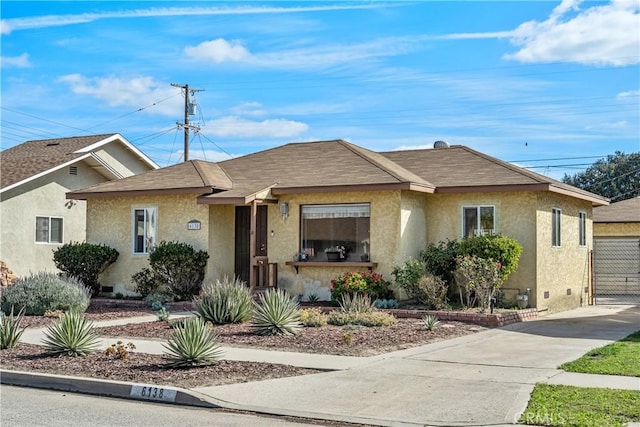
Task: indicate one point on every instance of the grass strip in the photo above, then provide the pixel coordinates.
(619, 358)
(569, 406)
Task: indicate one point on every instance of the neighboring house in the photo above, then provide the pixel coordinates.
(307, 197)
(616, 254)
(36, 217)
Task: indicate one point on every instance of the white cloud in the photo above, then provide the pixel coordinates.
(14, 24)
(218, 50)
(628, 94)
(253, 109)
(21, 61)
(135, 92)
(238, 127)
(598, 35)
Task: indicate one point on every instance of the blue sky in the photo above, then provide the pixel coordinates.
(522, 81)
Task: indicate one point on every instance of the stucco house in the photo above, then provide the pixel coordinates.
(35, 215)
(616, 254)
(257, 213)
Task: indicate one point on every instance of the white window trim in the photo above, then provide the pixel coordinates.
(559, 228)
(133, 228)
(494, 230)
(48, 242)
(582, 228)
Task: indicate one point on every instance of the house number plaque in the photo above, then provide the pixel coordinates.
(194, 224)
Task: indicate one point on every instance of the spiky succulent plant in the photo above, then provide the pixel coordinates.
(223, 302)
(277, 313)
(192, 344)
(10, 332)
(430, 322)
(73, 335)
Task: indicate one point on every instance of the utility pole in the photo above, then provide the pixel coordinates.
(187, 112)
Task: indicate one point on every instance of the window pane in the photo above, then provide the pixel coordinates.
(138, 241)
(56, 230)
(326, 226)
(486, 220)
(42, 229)
(556, 227)
(470, 222)
(583, 229)
(144, 230)
(150, 232)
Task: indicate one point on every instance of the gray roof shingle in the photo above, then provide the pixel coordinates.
(623, 211)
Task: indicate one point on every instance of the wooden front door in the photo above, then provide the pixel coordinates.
(242, 239)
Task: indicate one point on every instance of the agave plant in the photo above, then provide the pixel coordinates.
(430, 322)
(10, 332)
(358, 303)
(192, 344)
(224, 302)
(277, 313)
(72, 335)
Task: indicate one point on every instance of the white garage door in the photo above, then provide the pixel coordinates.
(616, 268)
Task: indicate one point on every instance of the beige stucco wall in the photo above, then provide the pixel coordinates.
(44, 196)
(121, 159)
(110, 221)
(385, 235)
(616, 229)
(563, 268)
(221, 242)
(514, 215)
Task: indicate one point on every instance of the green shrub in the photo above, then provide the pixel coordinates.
(180, 267)
(386, 303)
(42, 292)
(162, 314)
(192, 344)
(408, 275)
(477, 279)
(10, 332)
(157, 300)
(277, 313)
(85, 261)
(72, 335)
(364, 282)
(146, 282)
(430, 290)
(356, 303)
(313, 317)
(440, 259)
(373, 318)
(504, 250)
(224, 302)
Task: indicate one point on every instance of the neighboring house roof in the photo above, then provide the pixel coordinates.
(335, 166)
(33, 159)
(623, 211)
(193, 176)
(458, 169)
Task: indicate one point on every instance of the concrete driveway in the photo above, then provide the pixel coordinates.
(480, 379)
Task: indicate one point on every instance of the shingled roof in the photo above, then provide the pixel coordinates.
(458, 168)
(193, 176)
(623, 211)
(33, 159)
(335, 165)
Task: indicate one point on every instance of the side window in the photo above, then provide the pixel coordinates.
(582, 232)
(144, 230)
(556, 227)
(49, 229)
(478, 221)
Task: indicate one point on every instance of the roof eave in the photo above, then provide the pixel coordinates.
(46, 172)
(80, 195)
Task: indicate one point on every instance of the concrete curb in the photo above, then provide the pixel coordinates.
(184, 397)
(99, 387)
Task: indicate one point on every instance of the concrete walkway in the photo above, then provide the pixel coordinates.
(480, 379)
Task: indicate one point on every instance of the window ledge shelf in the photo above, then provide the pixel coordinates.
(298, 264)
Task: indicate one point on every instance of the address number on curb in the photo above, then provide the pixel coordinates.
(150, 392)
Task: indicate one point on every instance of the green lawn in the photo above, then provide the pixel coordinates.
(620, 358)
(569, 406)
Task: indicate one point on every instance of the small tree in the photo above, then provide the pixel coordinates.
(180, 267)
(84, 261)
(478, 279)
(500, 248)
